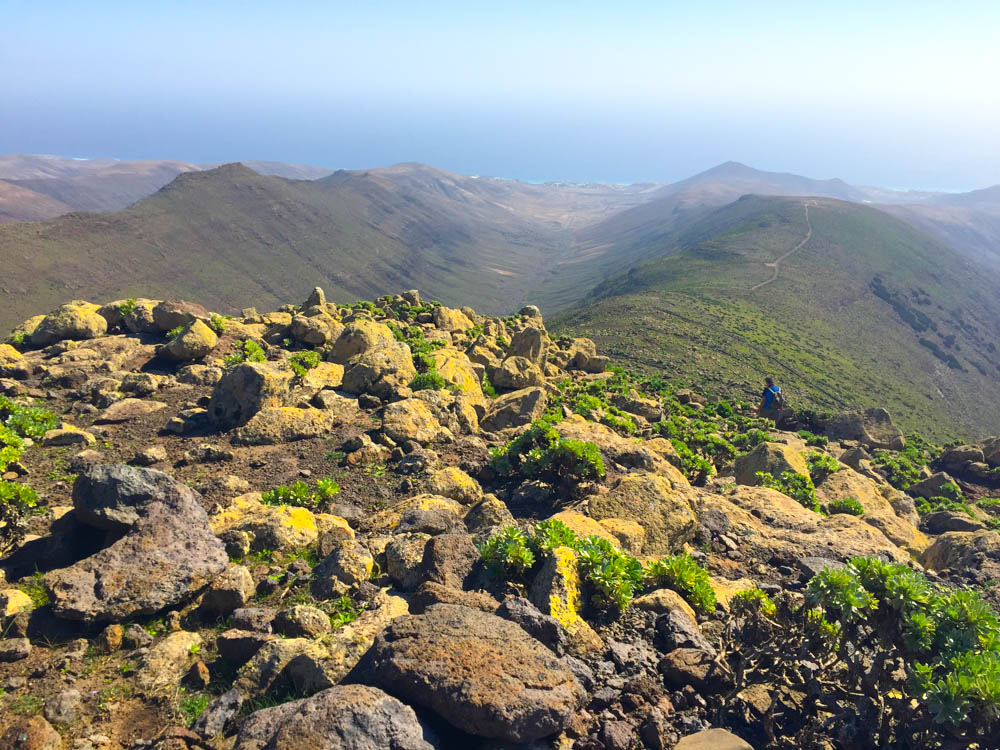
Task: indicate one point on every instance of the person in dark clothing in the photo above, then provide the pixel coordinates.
(772, 401)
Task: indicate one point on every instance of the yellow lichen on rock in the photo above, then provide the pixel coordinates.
(557, 591)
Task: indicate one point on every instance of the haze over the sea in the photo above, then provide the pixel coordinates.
(618, 92)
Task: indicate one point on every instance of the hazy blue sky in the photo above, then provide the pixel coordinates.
(905, 94)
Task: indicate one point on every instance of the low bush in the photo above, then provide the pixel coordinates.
(301, 494)
(848, 505)
(246, 350)
(428, 381)
(821, 465)
(882, 657)
(797, 486)
(540, 452)
(219, 323)
(302, 362)
(612, 577)
(26, 421)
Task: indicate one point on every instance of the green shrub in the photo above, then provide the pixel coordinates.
(302, 362)
(507, 554)
(848, 505)
(747, 441)
(17, 339)
(342, 611)
(894, 660)
(128, 306)
(428, 381)
(246, 350)
(174, 332)
(26, 421)
(300, 494)
(821, 465)
(797, 486)
(939, 503)
(818, 441)
(540, 452)
(218, 323)
(193, 706)
(488, 388)
(611, 576)
(10, 447)
(682, 574)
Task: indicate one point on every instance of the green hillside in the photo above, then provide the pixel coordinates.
(864, 311)
(232, 238)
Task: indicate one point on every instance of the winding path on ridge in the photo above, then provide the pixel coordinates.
(775, 265)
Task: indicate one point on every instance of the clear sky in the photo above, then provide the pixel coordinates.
(898, 94)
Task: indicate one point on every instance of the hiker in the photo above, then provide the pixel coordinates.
(772, 401)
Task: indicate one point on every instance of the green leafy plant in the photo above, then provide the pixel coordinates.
(541, 452)
(488, 388)
(34, 587)
(301, 494)
(218, 323)
(508, 554)
(428, 381)
(821, 465)
(127, 307)
(193, 706)
(612, 576)
(246, 350)
(797, 486)
(175, 332)
(342, 611)
(848, 505)
(682, 574)
(302, 362)
(26, 421)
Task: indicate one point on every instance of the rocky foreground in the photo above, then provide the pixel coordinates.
(398, 525)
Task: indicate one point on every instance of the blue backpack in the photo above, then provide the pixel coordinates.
(776, 400)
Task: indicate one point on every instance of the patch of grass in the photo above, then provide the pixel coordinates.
(26, 705)
(36, 590)
(192, 706)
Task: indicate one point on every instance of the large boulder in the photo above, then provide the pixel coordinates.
(344, 717)
(449, 319)
(359, 337)
(75, 321)
(879, 511)
(380, 371)
(974, 553)
(457, 370)
(772, 458)
(515, 409)
(410, 419)
(768, 523)
(285, 424)
(532, 344)
(516, 373)
(167, 554)
(169, 314)
(317, 329)
(872, 428)
(246, 389)
(932, 486)
(478, 672)
(195, 341)
(660, 503)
